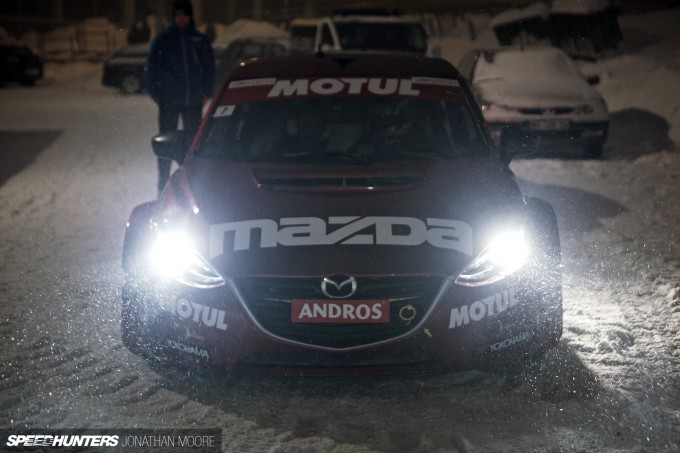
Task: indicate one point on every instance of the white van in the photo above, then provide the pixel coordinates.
(358, 32)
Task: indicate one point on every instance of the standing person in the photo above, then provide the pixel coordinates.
(180, 74)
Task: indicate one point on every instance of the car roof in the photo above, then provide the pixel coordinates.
(346, 64)
(366, 18)
(520, 49)
(267, 39)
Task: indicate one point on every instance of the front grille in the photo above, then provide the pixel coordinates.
(269, 301)
(341, 182)
(544, 111)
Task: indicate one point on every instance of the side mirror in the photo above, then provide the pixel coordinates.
(593, 79)
(171, 145)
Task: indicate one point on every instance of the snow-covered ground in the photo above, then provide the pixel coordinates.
(613, 384)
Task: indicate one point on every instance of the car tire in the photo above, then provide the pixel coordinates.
(28, 82)
(133, 328)
(592, 152)
(131, 321)
(544, 227)
(131, 84)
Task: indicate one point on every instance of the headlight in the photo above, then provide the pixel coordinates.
(173, 256)
(584, 109)
(506, 254)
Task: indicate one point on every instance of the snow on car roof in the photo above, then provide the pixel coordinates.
(514, 15)
(578, 6)
(524, 63)
(365, 18)
(530, 77)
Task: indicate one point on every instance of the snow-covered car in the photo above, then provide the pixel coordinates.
(537, 101)
(18, 63)
(341, 214)
(125, 68)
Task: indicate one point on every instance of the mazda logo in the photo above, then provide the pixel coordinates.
(339, 286)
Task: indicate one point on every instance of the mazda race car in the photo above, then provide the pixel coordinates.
(341, 214)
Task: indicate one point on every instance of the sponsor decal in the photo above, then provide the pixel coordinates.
(46, 440)
(344, 86)
(407, 313)
(251, 90)
(340, 312)
(187, 348)
(208, 316)
(266, 81)
(224, 110)
(373, 230)
(480, 309)
(511, 341)
(437, 81)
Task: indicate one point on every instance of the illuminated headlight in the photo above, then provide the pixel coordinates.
(506, 254)
(173, 256)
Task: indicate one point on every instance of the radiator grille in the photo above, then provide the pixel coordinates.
(269, 300)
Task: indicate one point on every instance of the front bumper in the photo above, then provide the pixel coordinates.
(538, 135)
(449, 328)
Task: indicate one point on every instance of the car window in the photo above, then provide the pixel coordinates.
(276, 50)
(365, 127)
(251, 50)
(382, 36)
(303, 37)
(235, 51)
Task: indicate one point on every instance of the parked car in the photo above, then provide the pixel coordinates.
(358, 30)
(536, 100)
(125, 69)
(18, 63)
(341, 215)
(243, 49)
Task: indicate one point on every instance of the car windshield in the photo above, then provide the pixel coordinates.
(360, 128)
(518, 64)
(381, 36)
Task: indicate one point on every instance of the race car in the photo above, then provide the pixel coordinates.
(341, 214)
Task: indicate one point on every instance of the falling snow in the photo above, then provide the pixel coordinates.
(613, 383)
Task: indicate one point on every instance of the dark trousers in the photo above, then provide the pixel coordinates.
(168, 121)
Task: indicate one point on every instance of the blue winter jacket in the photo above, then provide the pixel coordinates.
(180, 67)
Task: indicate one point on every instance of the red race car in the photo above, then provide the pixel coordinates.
(341, 214)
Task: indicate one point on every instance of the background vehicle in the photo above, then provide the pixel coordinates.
(536, 100)
(243, 49)
(125, 69)
(358, 31)
(352, 221)
(18, 63)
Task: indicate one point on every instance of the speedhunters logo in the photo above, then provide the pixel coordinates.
(116, 439)
(46, 440)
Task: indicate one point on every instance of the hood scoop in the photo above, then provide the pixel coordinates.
(333, 180)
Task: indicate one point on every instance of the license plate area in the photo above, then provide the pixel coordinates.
(323, 311)
(549, 125)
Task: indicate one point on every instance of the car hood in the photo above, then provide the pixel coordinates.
(416, 217)
(539, 93)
